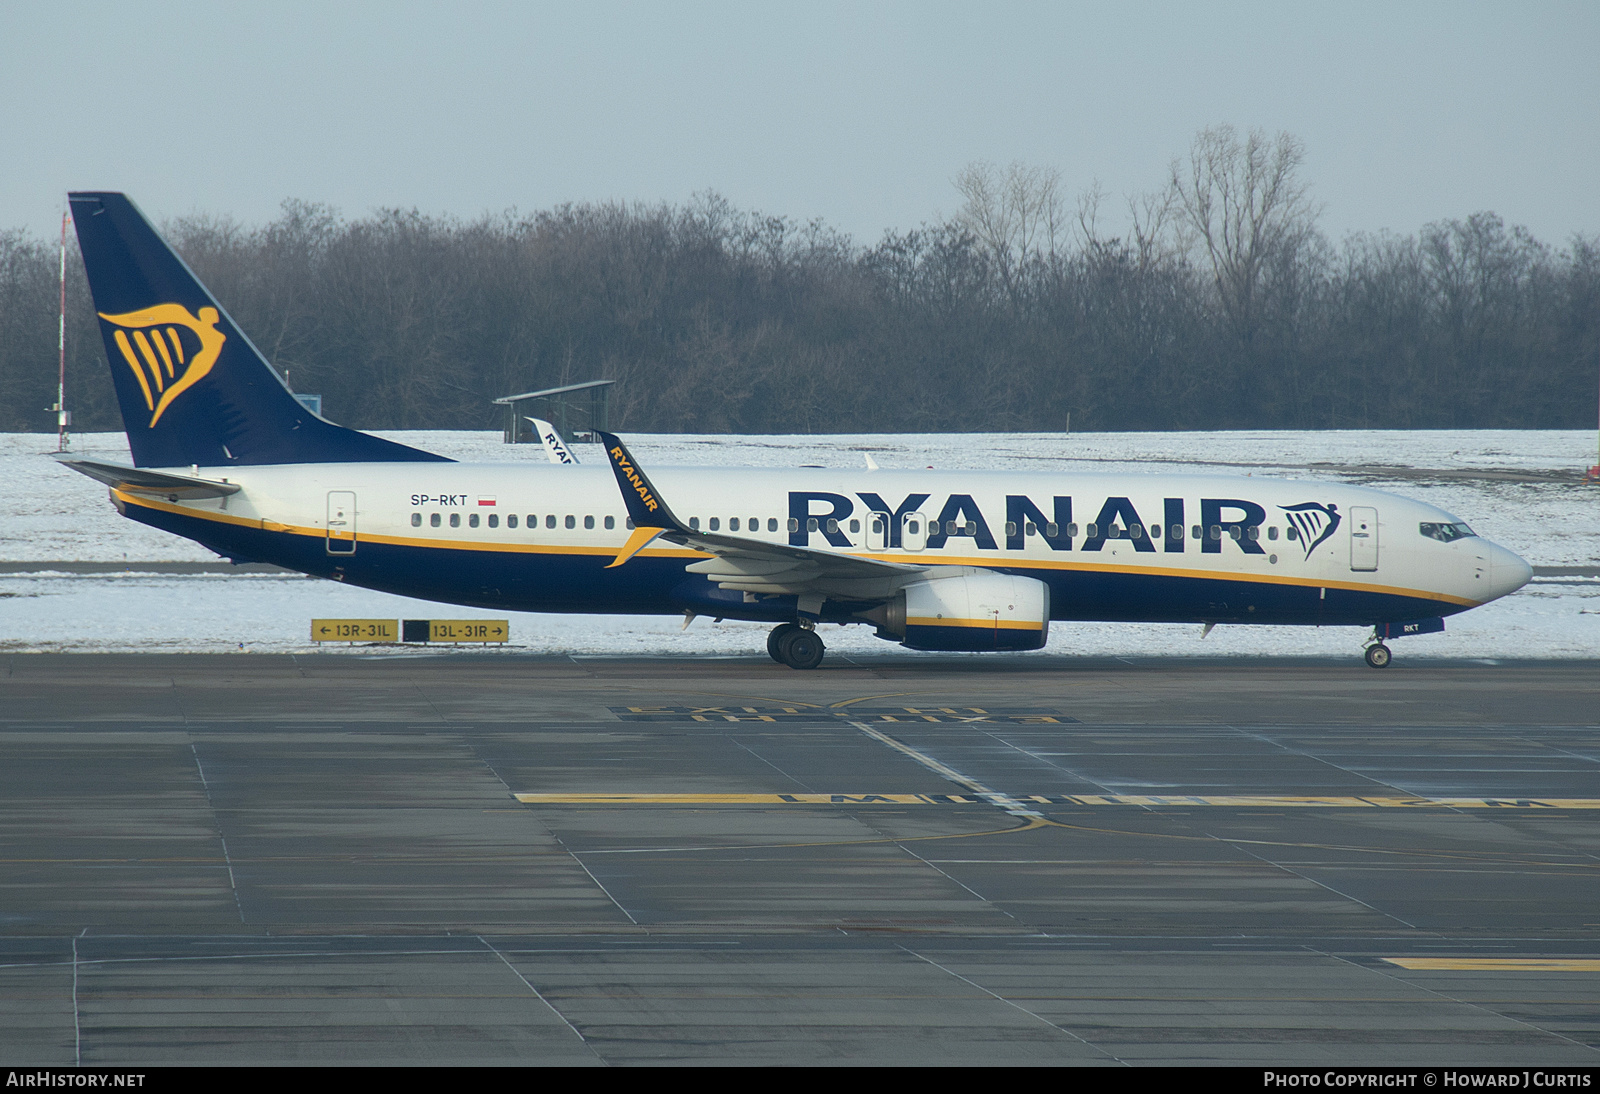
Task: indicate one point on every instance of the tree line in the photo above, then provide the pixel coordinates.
(1217, 304)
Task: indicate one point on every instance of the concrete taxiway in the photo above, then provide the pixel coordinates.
(464, 858)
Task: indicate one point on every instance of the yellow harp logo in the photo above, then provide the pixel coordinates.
(151, 342)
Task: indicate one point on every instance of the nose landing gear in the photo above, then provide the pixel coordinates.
(1378, 655)
(795, 645)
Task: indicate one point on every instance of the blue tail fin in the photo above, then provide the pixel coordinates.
(192, 388)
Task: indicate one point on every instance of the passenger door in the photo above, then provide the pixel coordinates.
(1363, 538)
(341, 522)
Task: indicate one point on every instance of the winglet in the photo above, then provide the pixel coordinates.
(646, 509)
(644, 502)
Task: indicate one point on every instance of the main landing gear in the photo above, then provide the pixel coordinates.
(796, 645)
(1378, 655)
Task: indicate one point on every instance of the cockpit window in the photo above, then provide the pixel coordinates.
(1444, 533)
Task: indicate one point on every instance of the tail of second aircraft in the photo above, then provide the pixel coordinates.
(192, 388)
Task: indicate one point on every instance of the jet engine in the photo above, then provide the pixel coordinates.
(976, 610)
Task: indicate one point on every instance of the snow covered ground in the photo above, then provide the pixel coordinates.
(52, 514)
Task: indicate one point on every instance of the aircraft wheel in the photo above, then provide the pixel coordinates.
(775, 639)
(801, 649)
(1378, 656)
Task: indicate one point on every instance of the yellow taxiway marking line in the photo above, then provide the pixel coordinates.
(1498, 964)
(1142, 800)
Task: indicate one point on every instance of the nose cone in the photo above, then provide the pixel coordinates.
(1507, 572)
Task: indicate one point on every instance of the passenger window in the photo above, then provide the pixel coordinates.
(588, 522)
(571, 521)
(1011, 528)
(911, 527)
(455, 520)
(949, 527)
(811, 524)
(472, 520)
(833, 525)
(416, 520)
(794, 524)
(1293, 532)
(715, 523)
(511, 521)
(772, 524)
(494, 520)
(694, 523)
(433, 520)
(1252, 533)
(1029, 529)
(1272, 533)
(1135, 531)
(550, 520)
(1092, 531)
(1155, 531)
(1233, 530)
(1177, 532)
(611, 522)
(1052, 529)
(1197, 532)
(1072, 530)
(855, 526)
(733, 524)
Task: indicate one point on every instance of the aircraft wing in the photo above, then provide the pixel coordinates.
(749, 565)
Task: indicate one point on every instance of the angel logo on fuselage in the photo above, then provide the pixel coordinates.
(1314, 522)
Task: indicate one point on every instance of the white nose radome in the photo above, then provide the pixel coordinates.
(1507, 572)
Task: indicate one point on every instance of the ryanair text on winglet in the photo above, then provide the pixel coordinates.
(633, 477)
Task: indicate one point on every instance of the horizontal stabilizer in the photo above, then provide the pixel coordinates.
(138, 480)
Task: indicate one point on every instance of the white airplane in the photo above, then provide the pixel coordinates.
(948, 560)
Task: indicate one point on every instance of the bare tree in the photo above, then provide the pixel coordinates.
(1245, 202)
(1016, 213)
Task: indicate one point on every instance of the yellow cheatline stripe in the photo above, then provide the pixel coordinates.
(637, 542)
(1179, 571)
(990, 624)
(1009, 563)
(1497, 964)
(1236, 801)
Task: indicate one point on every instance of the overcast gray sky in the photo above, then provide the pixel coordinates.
(857, 113)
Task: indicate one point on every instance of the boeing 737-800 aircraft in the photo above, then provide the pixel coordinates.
(951, 560)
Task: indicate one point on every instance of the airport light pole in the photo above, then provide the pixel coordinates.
(63, 415)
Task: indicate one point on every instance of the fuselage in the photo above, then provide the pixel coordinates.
(1152, 548)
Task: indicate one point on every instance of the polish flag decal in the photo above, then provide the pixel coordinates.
(485, 500)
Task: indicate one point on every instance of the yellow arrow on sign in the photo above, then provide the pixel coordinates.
(354, 630)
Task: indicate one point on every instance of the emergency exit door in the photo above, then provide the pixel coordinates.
(341, 522)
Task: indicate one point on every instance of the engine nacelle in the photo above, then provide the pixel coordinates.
(981, 610)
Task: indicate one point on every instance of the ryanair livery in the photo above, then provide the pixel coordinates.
(224, 455)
